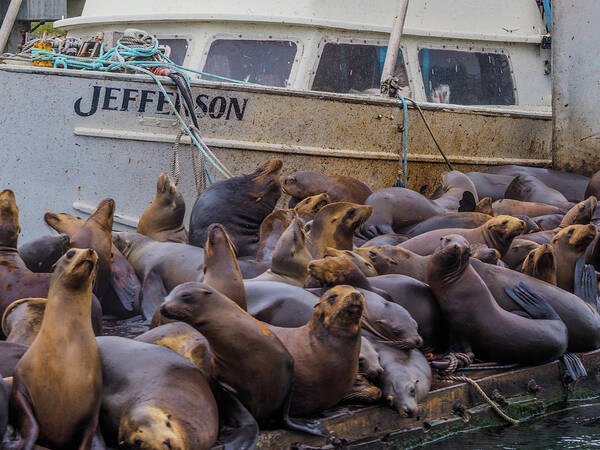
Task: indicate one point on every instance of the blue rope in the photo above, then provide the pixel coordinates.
(405, 135)
(548, 14)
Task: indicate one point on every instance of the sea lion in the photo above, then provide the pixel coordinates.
(474, 316)
(154, 398)
(363, 392)
(41, 254)
(290, 257)
(569, 245)
(406, 378)
(490, 185)
(518, 251)
(3, 407)
(593, 187)
(301, 185)
(527, 188)
(485, 254)
(448, 220)
(325, 350)
(484, 206)
(10, 354)
(368, 361)
(240, 204)
(241, 345)
(386, 239)
(334, 226)
(454, 186)
(548, 221)
(48, 403)
(571, 185)
(365, 266)
(122, 290)
(388, 259)
(221, 269)
(310, 206)
(163, 219)
(541, 264)
(518, 208)
(497, 233)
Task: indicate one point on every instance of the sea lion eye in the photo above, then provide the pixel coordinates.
(412, 391)
(571, 231)
(372, 254)
(70, 254)
(505, 222)
(332, 298)
(186, 298)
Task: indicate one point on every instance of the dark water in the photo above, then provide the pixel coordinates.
(577, 428)
(128, 328)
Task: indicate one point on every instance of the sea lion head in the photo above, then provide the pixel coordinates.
(187, 301)
(368, 361)
(486, 255)
(335, 271)
(484, 206)
(501, 230)
(453, 254)
(63, 222)
(265, 186)
(343, 215)
(103, 215)
(9, 219)
(376, 256)
(149, 428)
(310, 206)
(290, 256)
(217, 240)
(127, 241)
(365, 266)
(575, 237)
(167, 211)
(340, 310)
(403, 396)
(303, 184)
(541, 263)
(77, 268)
(581, 213)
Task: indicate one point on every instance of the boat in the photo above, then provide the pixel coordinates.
(79, 135)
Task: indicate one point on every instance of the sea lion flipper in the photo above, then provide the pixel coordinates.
(537, 307)
(239, 429)
(467, 203)
(313, 427)
(153, 294)
(584, 282)
(573, 366)
(21, 412)
(125, 282)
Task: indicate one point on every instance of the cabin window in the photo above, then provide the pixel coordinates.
(177, 49)
(466, 78)
(354, 68)
(261, 62)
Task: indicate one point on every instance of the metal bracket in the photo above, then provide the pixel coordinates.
(546, 41)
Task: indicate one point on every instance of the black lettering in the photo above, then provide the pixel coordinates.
(239, 113)
(162, 102)
(127, 98)
(93, 107)
(145, 100)
(108, 97)
(201, 104)
(213, 106)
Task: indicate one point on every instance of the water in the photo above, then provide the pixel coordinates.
(577, 428)
(128, 328)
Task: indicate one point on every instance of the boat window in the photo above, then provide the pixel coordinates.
(178, 49)
(261, 62)
(466, 78)
(354, 68)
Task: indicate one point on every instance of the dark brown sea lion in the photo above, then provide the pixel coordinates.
(154, 398)
(221, 269)
(241, 345)
(365, 266)
(474, 316)
(41, 254)
(386, 239)
(339, 188)
(541, 264)
(334, 226)
(490, 185)
(10, 354)
(569, 245)
(240, 204)
(163, 219)
(571, 185)
(497, 233)
(449, 220)
(57, 384)
(122, 295)
(527, 188)
(593, 187)
(325, 351)
(582, 320)
(518, 251)
(406, 379)
(518, 208)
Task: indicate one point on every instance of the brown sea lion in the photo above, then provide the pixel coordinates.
(122, 296)
(388, 259)
(484, 206)
(497, 233)
(163, 219)
(41, 254)
(406, 378)
(310, 206)
(518, 251)
(325, 351)
(10, 354)
(240, 204)
(485, 254)
(527, 188)
(490, 185)
(334, 226)
(221, 269)
(385, 239)
(290, 257)
(571, 185)
(593, 187)
(365, 266)
(541, 264)
(183, 339)
(48, 403)
(474, 316)
(569, 245)
(154, 398)
(241, 345)
(449, 220)
(339, 188)
(517, 208)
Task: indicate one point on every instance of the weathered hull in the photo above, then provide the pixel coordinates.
(71, 138)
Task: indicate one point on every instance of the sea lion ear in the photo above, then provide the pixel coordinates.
(390, 400)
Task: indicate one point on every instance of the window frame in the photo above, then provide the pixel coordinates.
(467, 49)
(356, 41)
(186, 37)
(255, 37)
